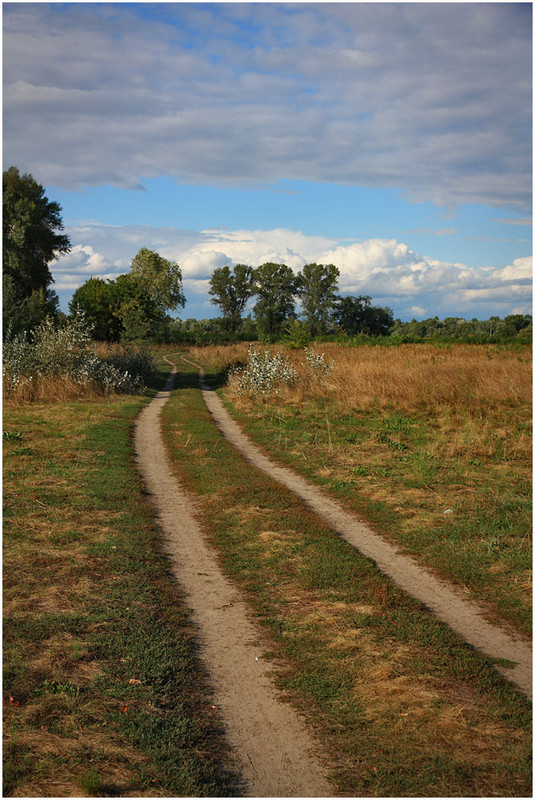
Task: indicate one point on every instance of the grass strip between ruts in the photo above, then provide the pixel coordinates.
(402, 706)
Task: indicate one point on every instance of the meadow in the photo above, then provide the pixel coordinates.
(401, 705)
(430, 444)
(104, 693)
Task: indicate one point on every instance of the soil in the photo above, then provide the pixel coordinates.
(274, 750)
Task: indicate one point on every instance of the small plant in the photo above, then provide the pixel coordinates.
(264, 373)
(90, 783)
(315, 363)
(296, 335)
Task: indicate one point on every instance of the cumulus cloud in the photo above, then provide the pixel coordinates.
(410, 283)
(433, 99)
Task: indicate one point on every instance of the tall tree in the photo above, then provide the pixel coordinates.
(317, 285)
(231, 290)
(275, 286)
(160, 278)
(96, 299)
(32, 239)
(357, 315)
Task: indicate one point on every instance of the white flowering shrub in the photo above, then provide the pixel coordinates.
(264, 373)
(315, 363)
(69, 352)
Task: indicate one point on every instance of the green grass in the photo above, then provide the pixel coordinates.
(466, 515)
(403, 707)
(104, 693)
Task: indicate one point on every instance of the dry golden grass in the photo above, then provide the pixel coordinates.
(403, 434)
(47, 389)
(408, 377)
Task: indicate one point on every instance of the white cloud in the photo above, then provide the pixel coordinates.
(389, 271)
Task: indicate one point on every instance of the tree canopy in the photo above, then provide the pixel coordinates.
(32, 239)
(357, 315)
(160, 278)
(317, 285)
(132, 306)
(231, 290)
(275, 286)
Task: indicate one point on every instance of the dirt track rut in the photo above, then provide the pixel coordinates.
(459, 612)
(271, 744)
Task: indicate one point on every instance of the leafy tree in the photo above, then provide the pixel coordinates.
(96, 299)
(159, 278)
(357, 315)
(231, 291)
(317, 285)
(132, 307)
(31, 240)
(275, 286)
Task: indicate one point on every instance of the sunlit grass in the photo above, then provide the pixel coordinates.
(103, 693)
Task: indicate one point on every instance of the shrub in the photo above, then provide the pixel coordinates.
(68, 353)
(264, 373)
(315, 363)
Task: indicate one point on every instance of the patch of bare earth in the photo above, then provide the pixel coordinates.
(276, 753)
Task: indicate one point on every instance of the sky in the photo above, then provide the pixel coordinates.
(393, 140)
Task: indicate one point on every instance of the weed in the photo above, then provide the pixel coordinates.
(67, 355)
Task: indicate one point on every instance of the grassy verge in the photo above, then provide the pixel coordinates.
(103, 692)
(402, 705)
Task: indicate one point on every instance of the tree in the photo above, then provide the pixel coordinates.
(132, 306)
(231, 291)
(275, 285)
(317, 285)
(357, 315)
(160, 278)
(31, 240)
(96, 299)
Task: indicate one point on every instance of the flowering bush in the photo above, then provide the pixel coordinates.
(316, 364)
(69, 352)
(264, 373)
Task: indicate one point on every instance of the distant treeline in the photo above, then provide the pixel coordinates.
(513, 328)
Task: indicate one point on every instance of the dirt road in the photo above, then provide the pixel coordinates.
(271, 744)
(445, 601)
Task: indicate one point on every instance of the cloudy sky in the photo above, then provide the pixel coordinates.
(390, 139)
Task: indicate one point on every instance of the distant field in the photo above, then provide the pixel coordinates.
(430, 444)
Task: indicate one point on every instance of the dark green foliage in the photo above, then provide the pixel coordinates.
(132, 307)
(231, 290)
(514, 326)
(31, 240)
(316, 286)
(357, 315)
(275, 288)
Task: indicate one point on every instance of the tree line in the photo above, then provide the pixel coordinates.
(276, 289)
(134, 306)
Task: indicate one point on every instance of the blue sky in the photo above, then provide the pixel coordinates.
(391, 139)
